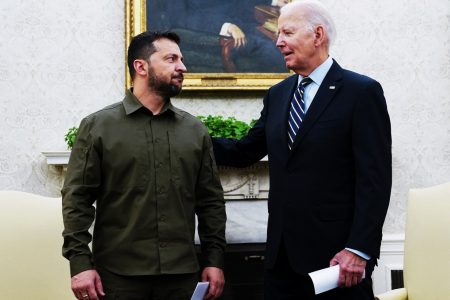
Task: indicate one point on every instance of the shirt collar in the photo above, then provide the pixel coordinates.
(320, 72)
(132, 104)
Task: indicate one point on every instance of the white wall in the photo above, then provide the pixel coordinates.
(60, 60)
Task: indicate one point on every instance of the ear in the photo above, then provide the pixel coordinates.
(140, 66)
(319, 36)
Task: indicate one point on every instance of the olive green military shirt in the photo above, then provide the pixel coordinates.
(143, 177)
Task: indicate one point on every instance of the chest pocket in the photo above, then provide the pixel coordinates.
(126, 160)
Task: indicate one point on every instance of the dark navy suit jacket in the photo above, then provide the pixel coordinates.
(332, 189)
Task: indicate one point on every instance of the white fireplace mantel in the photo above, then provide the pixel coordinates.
(238, 183)
(57, 158)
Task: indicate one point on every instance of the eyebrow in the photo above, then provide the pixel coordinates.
(171, 54)
(288, 27)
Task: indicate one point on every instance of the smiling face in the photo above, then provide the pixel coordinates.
(166, 68)
(302, 45)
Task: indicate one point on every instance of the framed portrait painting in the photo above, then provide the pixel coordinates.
(226, 45)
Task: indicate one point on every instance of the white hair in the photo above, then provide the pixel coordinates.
(315, 14)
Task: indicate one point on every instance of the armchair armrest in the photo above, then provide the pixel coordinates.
(397, 294)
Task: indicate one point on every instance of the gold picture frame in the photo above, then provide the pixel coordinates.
(136, 22)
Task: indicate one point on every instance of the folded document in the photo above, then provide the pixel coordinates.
(325, 279)
(200, 291)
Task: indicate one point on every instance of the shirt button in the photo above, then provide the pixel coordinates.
(163, 218)
(157, 140)
(162, 245)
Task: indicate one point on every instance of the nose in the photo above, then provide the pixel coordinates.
(181, 67)
(280, 41)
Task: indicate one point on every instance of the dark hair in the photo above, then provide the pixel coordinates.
(142, 47)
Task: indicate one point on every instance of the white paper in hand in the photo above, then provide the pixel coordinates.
(200, 291)
(325, 279)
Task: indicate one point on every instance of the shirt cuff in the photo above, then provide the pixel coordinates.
(79, 264)
(214, 259)
(359, 253)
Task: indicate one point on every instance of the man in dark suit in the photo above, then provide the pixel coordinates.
(329, 151)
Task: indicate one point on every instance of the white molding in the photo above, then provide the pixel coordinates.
(57, 158)
(249, 183)
(391, 258)
(62, 157)
(393, 244)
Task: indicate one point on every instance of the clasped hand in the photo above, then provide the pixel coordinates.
(351, 268)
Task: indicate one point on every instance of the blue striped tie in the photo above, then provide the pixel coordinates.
(297, 111)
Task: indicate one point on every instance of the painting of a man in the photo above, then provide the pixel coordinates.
(218, 36)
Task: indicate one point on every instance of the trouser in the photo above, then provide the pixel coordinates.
(283, 283)
(148, 287)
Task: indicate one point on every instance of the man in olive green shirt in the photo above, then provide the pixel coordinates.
(149, 167)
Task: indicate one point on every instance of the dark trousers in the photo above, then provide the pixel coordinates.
(150, 287)
(283, 283)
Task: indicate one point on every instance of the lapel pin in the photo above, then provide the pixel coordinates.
(332, 87)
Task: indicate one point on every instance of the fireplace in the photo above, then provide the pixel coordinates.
(244, 271)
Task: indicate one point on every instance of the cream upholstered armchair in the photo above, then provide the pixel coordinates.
(427, 246)
(31, 265)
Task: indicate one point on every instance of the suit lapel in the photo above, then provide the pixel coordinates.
(327, 90)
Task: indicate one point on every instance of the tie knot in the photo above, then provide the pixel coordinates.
(305, 81)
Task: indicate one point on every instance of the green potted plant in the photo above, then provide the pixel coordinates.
(70, 137)
(218, 126)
